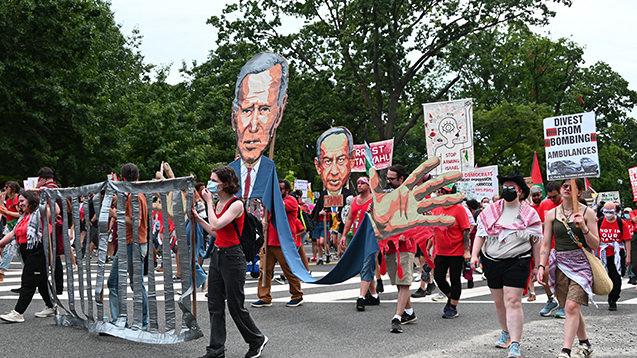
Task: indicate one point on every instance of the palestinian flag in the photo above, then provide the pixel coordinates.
(536, 174)
(369, 161)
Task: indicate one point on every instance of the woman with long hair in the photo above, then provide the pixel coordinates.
(574, 227)
(227, 271)
(27, 235)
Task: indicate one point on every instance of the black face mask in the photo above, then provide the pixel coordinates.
(509, 194)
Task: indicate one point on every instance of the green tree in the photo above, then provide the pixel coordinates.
(364, 46)
(64, 68)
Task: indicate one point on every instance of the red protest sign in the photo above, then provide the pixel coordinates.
(382, 153)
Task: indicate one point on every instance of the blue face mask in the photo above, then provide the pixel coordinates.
(212, 186)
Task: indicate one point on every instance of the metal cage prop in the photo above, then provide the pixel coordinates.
(91, 314)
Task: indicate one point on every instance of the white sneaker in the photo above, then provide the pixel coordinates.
(12, 317)
(47, 312)
(439, 298)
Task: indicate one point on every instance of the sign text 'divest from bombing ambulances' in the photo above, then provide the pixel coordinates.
(570, 144)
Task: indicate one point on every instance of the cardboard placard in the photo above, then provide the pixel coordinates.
(570, 144)
(632, 174)
(382, 155)
(449, 134)
(479, 183)
(333, 201)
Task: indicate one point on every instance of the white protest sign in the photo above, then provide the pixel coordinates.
(608, 196)
(31, 183)
(479, 183)
(570, 144)
(300, 184)
(449, 134)
(632, 174)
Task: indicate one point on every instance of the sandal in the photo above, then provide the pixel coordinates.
(531, 297)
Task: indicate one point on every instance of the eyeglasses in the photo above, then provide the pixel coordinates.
(566, 186)
(392, 179)
(608, 212)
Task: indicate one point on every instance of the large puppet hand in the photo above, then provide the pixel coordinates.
(406, 207)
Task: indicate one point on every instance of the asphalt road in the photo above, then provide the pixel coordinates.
(328, 325)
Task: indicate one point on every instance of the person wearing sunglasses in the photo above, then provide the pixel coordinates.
(566, 268)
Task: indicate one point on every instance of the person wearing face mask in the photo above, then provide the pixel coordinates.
(226, 274)
(507, 237)
(614, 236)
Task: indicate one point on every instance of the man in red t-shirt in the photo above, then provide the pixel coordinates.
(536, 198)
(632, 218)
(553, 199)
(359, 207)
(274, 254)
(451, 247)
(614, 236)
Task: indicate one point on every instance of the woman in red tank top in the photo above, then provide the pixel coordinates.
(227, 271)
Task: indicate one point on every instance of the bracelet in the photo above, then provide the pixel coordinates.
(542, 266)
(586, 233)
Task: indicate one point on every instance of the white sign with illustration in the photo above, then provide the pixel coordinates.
(449, 132)
(570, 143)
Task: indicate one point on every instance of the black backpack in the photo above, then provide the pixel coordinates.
(251, 236)
(307, 220)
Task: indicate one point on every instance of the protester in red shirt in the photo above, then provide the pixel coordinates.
(452, 249)
(614, 236)
(226, 274)
(274, 254)
(536, 198)
(34, 273)
(359, 208)
(9, 211)
(553, 199)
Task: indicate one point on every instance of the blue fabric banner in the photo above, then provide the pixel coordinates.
(362, 245)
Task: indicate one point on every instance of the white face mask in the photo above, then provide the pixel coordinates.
(609, 216)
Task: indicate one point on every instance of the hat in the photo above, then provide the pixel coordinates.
(519, 180)
(536, 189)
(628, 209)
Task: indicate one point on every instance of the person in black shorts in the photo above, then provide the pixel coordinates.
(508, 235)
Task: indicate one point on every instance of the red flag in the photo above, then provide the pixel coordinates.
(587, 185)
(536, 174)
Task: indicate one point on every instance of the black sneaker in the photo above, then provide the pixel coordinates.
(16, 290)
(360, 304)
(395, 326)
(408, 318)
(371, 300)
(327, 258)
(632, 280)
(470, 284)
(256, 350)
(379, 286)
(612, 306)
(419, 293)
(450, 312)
(319, 262)
(431, 287)
(294, 303)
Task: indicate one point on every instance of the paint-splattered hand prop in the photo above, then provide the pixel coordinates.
(406, 207)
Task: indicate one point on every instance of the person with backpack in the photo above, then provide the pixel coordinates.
(226, 273)
(613, 238)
